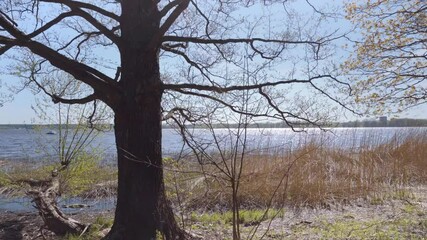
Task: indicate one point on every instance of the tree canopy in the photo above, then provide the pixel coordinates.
(204, 47)
(389, 66)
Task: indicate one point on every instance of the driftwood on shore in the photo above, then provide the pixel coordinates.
(54, 219)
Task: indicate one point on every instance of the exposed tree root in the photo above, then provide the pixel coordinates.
(54, 220)
(166, 225)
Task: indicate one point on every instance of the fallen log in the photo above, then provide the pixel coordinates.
(54, 219)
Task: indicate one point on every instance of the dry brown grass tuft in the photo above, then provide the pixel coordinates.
(314, 175)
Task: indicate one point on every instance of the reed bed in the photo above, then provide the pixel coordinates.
(316, 174)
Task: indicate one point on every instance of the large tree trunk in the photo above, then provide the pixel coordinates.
(142, 208)
(140, 180)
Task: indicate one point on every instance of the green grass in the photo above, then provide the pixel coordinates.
(93, 233)
(84, 173)
(225, 218)
(81, 175)
(390, 193)
(403, 228)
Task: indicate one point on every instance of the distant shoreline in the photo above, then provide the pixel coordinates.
(394, 122)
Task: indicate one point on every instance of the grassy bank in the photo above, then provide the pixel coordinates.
(85, 177)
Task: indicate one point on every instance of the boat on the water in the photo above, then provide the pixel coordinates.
(51, 132)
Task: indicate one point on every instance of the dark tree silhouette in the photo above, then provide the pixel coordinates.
(212, 39)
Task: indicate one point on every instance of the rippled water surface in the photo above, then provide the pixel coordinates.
(37, 145)
(23, 204)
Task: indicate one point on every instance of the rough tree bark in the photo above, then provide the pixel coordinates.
(141, 193)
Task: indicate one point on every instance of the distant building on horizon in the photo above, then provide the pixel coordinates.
(383, 121)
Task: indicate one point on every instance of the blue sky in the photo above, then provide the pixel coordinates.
(19, 111)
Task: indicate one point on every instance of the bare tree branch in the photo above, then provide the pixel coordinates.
(53, 22)
(101, 83)
(239, 87)
(104, 30)
(237, 40)
(8, 18)
(88, 99)
(77, 4)
(5, 48)
(180, 7)
(165, 10)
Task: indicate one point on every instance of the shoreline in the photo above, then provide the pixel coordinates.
(395, 218)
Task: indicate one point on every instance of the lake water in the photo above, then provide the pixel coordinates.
(24, 204)
(31, 145)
